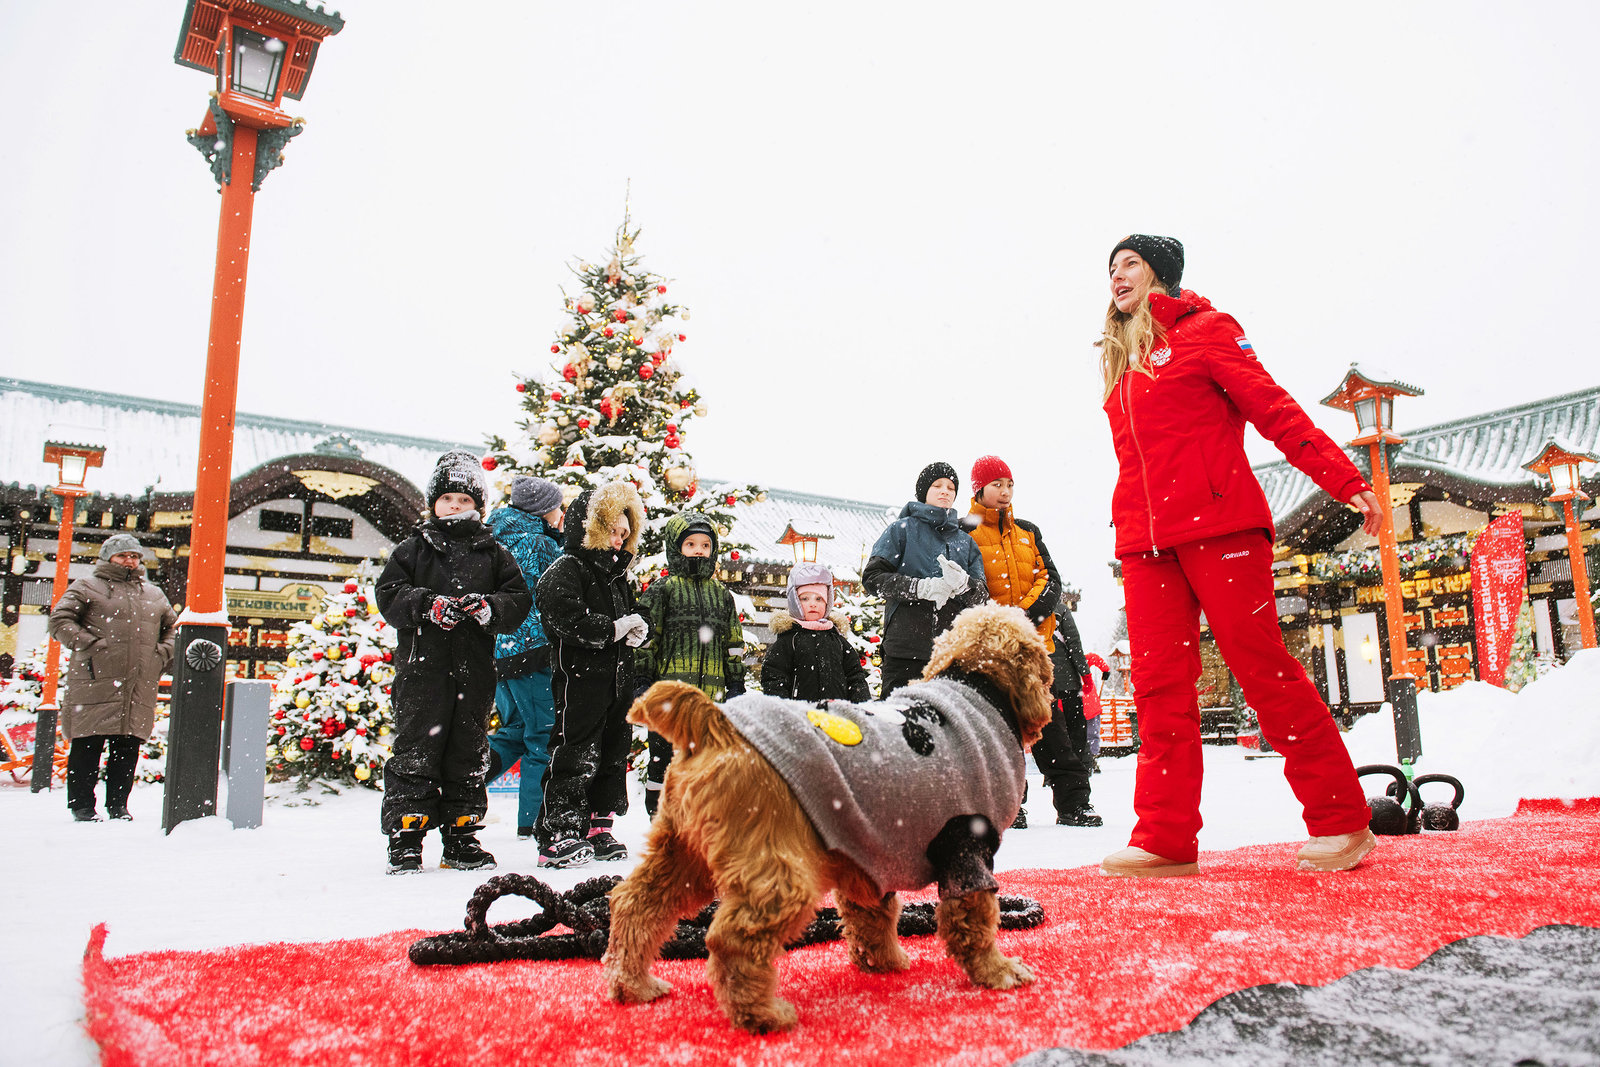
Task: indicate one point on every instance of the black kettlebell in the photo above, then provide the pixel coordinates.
(1442, 816)
(1390, 816)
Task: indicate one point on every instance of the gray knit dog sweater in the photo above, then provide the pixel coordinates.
(881, 781)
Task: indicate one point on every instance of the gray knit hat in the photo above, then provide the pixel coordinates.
(804, 574)
(119, 543)
(536, 496)
(458, 471)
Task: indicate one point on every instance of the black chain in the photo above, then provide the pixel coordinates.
(585, 909)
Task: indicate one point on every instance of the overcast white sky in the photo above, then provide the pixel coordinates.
(890, 222)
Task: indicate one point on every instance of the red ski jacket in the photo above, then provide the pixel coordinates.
(1179, 434)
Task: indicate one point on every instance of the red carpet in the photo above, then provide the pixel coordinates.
(1116, 959)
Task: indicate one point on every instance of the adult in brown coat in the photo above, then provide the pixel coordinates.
(121, 631)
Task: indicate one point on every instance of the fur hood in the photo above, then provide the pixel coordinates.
(607, 504)
(782, 621)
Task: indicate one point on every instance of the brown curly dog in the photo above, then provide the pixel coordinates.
(762, 811)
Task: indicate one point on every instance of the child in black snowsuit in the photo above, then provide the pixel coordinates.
(1062, 751)
(812, 659)
(446, 590)
(589, 612)
(695, 636)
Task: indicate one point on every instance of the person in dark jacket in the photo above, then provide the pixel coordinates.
(1062, 751)
(695, 636)
(121, 631)
(589, 610)
(1194, 534)
(530, 529)
(811, 659)
(928, 570)
(446, 589)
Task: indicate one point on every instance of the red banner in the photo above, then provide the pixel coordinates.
(1499, 579)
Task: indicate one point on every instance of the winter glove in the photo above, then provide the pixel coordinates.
(954, 575)
(625, 626)
(638, 635)
(951, 581)
(476, 607)
(445, 613)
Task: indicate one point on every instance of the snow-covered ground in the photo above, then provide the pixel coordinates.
(314, 871)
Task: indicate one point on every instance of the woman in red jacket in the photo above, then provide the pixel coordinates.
(1194, 534)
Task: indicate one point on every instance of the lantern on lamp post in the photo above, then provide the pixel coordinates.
(73, 454)
(1369, 396)
(1558, 461)
(804, 544)
(259, 51)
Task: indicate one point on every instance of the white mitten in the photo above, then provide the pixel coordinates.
(626, 625)
(638, 635)
(935, 590)
(954, 576)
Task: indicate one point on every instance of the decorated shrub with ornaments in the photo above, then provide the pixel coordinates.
(615, 403)
(331, 716)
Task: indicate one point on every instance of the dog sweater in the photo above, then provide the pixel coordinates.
(880, 781)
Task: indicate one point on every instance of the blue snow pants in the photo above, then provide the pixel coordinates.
(527, 717)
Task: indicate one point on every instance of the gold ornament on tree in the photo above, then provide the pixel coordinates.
(548, 435)
(680, 478)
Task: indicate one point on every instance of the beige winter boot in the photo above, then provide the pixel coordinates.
(1337, 853)
(1137, 863)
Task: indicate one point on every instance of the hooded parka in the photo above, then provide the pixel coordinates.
(121, 631)
(1178, 431)
(813, 665)
(1016, 565)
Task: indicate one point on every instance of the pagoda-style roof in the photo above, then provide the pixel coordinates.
(1361, 379)
(1478, 457)
(1557, 450)
(791, 534)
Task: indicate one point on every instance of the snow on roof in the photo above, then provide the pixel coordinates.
(157, 442)
(854, 524)
(1488, 449)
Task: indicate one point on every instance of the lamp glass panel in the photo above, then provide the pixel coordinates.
(809, 551)
(73, 469)
(1386, 413)
(1367, 413)
(1564, 477)
(257, 61)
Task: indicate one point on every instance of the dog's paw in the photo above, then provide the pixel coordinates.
(771, 1017)
(881, 959)
(633, 989)
(1002, 972)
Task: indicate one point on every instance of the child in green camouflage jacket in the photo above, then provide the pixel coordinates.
(695, 636)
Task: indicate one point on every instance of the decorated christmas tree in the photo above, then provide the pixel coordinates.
(616, 404)
(331, 716)
(866, 630)
(19, 700)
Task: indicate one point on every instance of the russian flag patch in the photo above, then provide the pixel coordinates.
(1244, 345)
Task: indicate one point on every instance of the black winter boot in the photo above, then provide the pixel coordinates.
(85, 815)
(461, 849)
(405, 845)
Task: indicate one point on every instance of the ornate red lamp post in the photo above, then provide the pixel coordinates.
(1369, 396)
(1559, 461)
(259, 51)
(73, 456)
(804, 544)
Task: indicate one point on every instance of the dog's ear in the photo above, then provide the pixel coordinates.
(1001, 644)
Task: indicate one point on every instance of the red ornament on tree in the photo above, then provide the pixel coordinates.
(685, 402)
(732, 500)
(387, 656)
(349, 613)
(569, 372)
(307, 744)
(607, 407)
(663, 572)
(282, 730)
(609, 332)
(555, 349)
(661, 289)
(646, 370)
(658, 358)
(489, 464)
(583, 422)
(349, 587)
(671, 440)
(620, 315)
(734, 555)
(682, 337)
(672, 427)
(522, 387)
(316, 653)
(556, 397)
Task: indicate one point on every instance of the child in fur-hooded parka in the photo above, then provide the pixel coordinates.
(590, 614)
(812, 658)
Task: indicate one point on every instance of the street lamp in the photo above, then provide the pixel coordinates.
(1369, 396)
(804, 544)
(71, 450)
(259, 51)
(1558, 461)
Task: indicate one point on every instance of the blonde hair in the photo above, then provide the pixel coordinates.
(1127, 336)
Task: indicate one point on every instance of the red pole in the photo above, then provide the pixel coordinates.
(1389, 560)
(1580, 575)
(208, 538)
(44, 734)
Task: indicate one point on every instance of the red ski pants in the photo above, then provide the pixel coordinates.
(1229, 578)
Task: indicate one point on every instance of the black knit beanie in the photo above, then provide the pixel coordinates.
(932, 473)
(458, 471)
(1164, 254)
